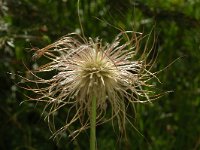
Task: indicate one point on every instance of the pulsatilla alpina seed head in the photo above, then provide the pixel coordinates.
(84, 69)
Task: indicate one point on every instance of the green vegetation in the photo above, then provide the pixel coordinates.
(170, 123)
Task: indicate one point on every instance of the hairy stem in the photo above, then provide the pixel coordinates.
(93, 125)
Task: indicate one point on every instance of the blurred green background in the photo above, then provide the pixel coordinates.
(170, 123)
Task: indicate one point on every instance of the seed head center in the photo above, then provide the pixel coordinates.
(97, 71)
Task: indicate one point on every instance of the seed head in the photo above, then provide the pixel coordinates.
(84, 69)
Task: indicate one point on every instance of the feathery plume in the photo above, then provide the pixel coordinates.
(84, 69)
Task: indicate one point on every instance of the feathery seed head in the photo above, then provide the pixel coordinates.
(86, 68)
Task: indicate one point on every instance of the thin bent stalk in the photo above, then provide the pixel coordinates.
(93, 125)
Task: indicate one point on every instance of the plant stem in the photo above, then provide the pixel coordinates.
(93, 125)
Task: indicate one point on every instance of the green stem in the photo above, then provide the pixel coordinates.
(93, 125)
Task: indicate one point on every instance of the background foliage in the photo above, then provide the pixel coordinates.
(172, 122)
